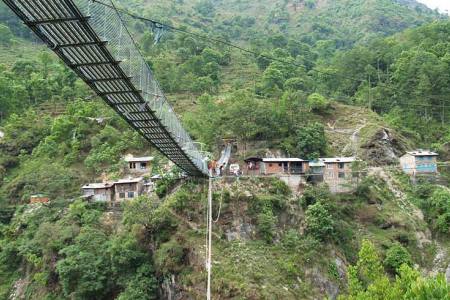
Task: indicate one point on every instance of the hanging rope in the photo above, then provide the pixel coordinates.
(208, 264)
(220, 208)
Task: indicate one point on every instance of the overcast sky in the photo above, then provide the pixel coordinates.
(442, 5)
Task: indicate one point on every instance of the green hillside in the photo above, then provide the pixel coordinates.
(326, 78)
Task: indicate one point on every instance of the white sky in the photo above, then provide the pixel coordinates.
(442, 5)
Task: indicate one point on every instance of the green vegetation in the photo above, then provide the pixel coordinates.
(319, 222)
(75, 254)
(396, 256)
(367, 280)
(337, 65)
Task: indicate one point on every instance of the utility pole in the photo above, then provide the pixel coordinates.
(378, 69)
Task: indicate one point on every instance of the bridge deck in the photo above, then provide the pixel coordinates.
(92, 40)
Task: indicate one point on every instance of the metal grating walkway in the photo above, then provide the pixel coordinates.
(92, 40)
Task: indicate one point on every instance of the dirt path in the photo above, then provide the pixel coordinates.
(354, 140)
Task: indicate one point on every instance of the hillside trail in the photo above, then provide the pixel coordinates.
(354, 139)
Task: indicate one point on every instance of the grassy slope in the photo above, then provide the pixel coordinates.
(249, 268)
(19, 49)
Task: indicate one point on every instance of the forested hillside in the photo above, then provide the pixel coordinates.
(316, 78)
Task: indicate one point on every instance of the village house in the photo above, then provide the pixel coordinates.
(39, 198)
(102, 192)
(253, 166)
(337, 173)
(139, 165)
(419, 162)
(128, 188)
(292, 166)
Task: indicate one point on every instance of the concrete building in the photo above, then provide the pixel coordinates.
(337, 173)
(128, 188)
(419, 162)
(103, 192)
(139, 165)
(294, 166)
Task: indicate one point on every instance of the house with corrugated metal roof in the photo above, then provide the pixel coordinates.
(139, 165)
(128, 188)
(292, 166)
(103, 192)
(419, 162)
(337, 173)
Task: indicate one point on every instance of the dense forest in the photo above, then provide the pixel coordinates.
(306, 65)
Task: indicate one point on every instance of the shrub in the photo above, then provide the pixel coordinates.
(396, 256)
(280, 188)
(291, 239)
(319, 222)
(143, 286)
(313, 195)
(169, 257)
(266, 225)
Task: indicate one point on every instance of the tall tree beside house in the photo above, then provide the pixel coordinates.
(311, 142)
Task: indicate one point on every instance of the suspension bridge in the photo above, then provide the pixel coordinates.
(92, 40)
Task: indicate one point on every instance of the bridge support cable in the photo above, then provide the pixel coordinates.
(93, 41)
(209, 240)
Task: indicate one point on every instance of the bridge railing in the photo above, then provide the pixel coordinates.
(109, 25)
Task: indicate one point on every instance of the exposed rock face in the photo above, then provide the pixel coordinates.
(447, 273)
(384, 148)
(341, 267)
(19, 288)
(240, 231)
(325, 285)
(170, 290)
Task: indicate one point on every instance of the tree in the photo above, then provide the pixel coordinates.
(272, 81)
(367, 280)
(262, 60)
(318, 103)
(206, 8)
(85, 270)
(143, 286)
(369, 265)
(311, 141)
(438, 210)
(204, 84)
(126, 257)
(244, 116)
